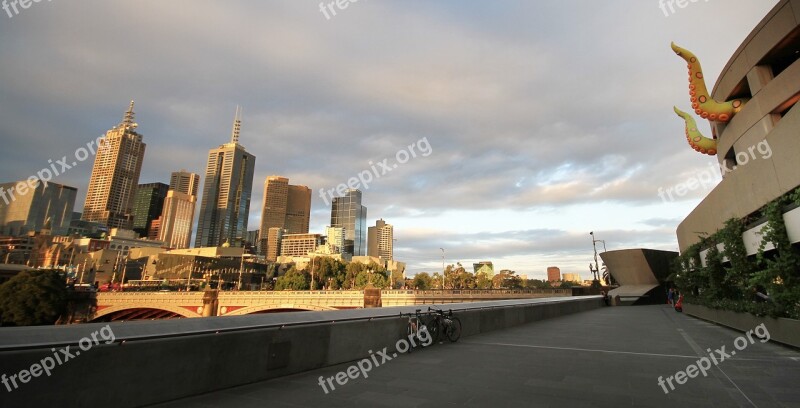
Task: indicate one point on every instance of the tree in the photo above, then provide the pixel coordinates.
(378, 280)
(482, 281)
(33, 298)
(422, 281)
(293, 280)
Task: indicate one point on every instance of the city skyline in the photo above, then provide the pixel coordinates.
(530, 152)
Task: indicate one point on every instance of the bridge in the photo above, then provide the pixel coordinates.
(116, 306)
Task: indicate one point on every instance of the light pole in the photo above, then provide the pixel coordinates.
(241, 269)
(442, 268)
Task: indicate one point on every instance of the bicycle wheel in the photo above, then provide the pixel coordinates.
(454, 329)
(433, 329)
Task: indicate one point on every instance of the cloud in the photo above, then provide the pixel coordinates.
(538, 114)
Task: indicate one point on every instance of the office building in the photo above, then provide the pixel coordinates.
(380, 240)
(227, 191)
(348, 213)
(184, 182)
(287, 207)
(147, 206)
(177, 216)
(299, 245)
(274, 236)
(115, 175)
(27, 209)
(572, 277)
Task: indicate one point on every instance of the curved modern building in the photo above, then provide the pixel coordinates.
(759, 147)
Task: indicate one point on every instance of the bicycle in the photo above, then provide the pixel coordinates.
(415, 324)
(450, 325)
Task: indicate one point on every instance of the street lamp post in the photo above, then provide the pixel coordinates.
(241, 269)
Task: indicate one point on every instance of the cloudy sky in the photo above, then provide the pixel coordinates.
(546, 120)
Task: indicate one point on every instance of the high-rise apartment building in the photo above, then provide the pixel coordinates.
(147, 206)
(24, 209)
(348, 213)
(115, 175)
(380, 239)
(286, 207)
(227, 191)
(179, 206)
(553, 274)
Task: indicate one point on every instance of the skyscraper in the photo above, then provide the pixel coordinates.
(184, 182)
(147, 206)
(286, 207)
(226, 193)
(115, 175)
(380, 239)
(29, 211)
(178, 214)
(348, 213)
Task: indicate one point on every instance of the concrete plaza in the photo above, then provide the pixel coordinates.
(610, 357)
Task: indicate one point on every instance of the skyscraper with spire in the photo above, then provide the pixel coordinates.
(115, 175)
(226, 192)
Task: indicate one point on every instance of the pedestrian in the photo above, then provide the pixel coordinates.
(671, 297)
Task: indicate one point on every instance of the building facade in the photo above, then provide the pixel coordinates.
(335, 239)
(347, 212)
(177, 216)
(299, 245)
(287, 207)
(184, 182)
(553, 274)
(147, 206)
(227, 191)
(380, 240)
(115, 175)
(761, 141)
(23, 213)
(176, 220)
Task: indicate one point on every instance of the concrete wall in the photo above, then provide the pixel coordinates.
(158, 361)
(786, 331)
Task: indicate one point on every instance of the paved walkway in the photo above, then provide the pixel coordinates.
(611, 357)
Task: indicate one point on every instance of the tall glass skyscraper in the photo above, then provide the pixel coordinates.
(348, 213)
(226, 193)
(147, 206)
(115, 175)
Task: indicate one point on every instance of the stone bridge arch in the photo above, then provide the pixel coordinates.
(284, 306)
(117, 309)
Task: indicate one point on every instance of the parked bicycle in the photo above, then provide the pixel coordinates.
(444, 323)
(415, 326)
